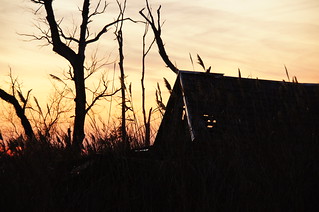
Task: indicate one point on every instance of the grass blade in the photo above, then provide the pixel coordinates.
(200, 62)
(168, 86)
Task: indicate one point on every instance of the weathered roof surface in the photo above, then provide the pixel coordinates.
(216, 105)
(244, 105)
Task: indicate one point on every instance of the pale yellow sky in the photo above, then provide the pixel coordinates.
(257, 36)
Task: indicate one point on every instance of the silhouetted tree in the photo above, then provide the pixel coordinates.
(156, 27)
(76, 57)
(19, 109)
(119, 38)
(157, 30)
(146, 118)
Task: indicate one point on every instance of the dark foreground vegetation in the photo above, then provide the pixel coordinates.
(266, 176)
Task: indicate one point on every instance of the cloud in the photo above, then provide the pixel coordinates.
(261, 37)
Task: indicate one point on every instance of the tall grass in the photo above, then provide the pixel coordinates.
(262, 177)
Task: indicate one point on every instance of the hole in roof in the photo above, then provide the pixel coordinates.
(210, 121)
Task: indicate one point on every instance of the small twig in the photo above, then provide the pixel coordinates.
(96, 10)
(105, 29)
(101, 95)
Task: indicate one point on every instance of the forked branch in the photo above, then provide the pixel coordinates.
(19, 111)
(96, 10)
(105, 29)
(157, 34)
(99, 96)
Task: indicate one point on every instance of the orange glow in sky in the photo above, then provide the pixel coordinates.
(259, 37)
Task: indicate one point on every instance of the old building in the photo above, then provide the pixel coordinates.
(208, 110)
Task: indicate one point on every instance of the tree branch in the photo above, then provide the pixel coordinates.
(19, 111)
(105, 29)
(39, 1)
(101, 95)
(58, 46)
(66, 37)
(157, 34)
(96, 11)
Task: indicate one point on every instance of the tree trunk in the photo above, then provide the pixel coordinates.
(122, 78)
(79, 80)
(80, 102)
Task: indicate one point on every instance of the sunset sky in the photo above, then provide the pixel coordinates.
(259, 37)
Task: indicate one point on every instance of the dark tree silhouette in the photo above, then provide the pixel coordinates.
(119, 38)
(76, 58)
(157, 34)
(20, 111)
(146, 118)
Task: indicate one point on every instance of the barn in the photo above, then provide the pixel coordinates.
(208, 110)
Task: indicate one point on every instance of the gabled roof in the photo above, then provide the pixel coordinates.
(213, 105)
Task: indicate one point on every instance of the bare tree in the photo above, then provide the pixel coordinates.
(157, 30)
(146, 118)
(19, 109)
(119, 38)
(76, 57)
(46, 119)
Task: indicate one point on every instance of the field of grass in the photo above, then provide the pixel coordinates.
(266, 176)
